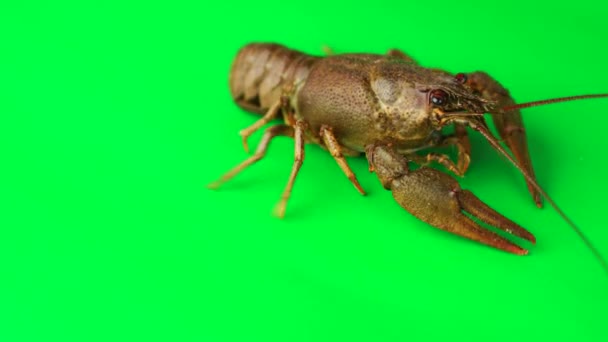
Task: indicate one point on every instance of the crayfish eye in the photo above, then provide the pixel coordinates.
(438, 97)
(461, 78)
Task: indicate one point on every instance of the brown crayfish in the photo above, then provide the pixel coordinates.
(389, 108)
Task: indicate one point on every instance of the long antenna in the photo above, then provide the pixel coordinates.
(556, 100)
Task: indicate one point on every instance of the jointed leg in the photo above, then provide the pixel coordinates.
(463, 144)
(269, 116)
(436, 157)
(334, 148)
(300, 127)
(460, 139)
(269, 134)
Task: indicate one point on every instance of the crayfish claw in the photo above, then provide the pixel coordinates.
(436, 198)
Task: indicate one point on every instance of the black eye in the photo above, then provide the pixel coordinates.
(461, 78)
(438, 97)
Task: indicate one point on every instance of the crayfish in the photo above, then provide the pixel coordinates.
(391, 109)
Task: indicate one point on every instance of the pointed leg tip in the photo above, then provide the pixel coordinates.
(538, 200)
(516, 250)
(522, 252)
(245, 147)
(244, 139)
(360, 189)
(213, 185)
(526, 235)
(279, 210)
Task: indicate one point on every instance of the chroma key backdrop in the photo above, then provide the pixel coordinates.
(114, 116)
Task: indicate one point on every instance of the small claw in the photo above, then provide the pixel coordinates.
(463, 164)
(436, 198)
(509, 124)
(515, 138)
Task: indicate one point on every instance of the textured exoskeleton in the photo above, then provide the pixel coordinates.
(389, 108)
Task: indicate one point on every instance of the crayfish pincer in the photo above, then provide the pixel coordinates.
(436, 198)
(392, 110)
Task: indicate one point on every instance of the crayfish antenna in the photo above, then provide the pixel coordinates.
(555, 100)
(481, 128)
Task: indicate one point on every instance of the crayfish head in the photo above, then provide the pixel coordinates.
(451, 101)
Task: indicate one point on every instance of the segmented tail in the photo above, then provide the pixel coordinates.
(261, 71)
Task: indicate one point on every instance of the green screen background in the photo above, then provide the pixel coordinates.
(114, 116)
